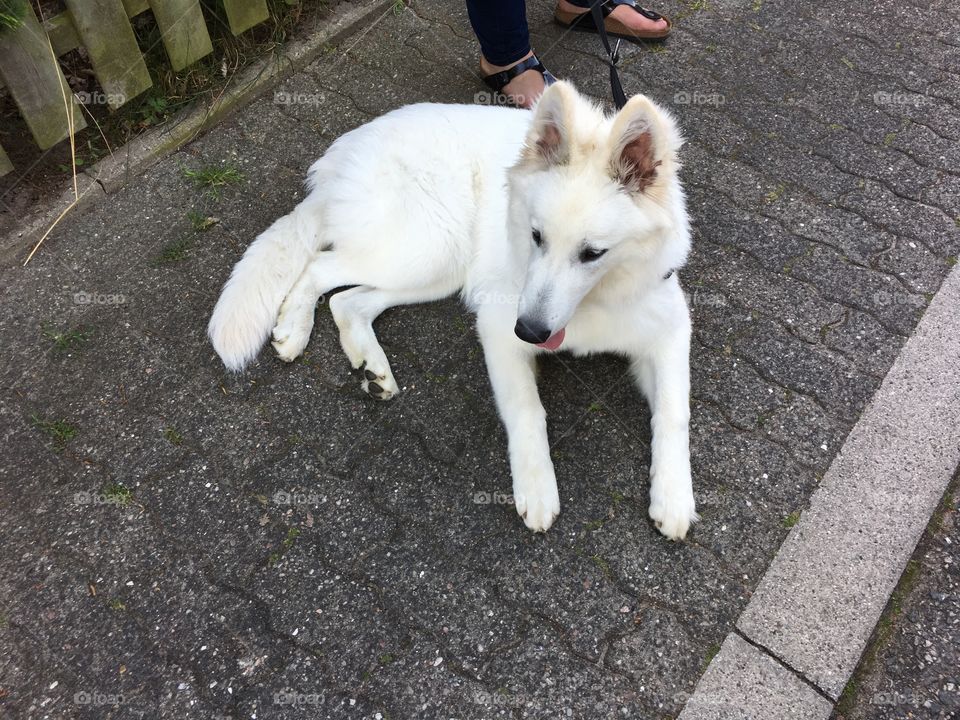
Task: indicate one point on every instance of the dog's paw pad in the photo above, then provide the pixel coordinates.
(380, 386)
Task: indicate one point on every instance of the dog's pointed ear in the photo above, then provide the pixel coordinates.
(643, 138)
(548, 140)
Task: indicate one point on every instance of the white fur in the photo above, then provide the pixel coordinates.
(431, 199)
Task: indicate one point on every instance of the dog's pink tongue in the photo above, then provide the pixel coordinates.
(554, 341)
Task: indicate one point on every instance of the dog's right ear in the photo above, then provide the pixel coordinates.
(548, 141)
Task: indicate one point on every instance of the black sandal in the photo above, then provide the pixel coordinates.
(499, 80)
(583, 22)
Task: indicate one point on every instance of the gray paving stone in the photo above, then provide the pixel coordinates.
(744, 683)
(819, 601)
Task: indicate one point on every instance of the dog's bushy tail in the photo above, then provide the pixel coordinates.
(250, 302)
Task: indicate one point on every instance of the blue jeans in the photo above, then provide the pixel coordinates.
(501, 28)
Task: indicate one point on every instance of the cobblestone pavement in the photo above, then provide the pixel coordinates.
(182, 543)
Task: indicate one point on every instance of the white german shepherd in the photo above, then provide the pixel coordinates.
(561, 228)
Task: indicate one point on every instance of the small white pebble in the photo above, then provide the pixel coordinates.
(438, 662)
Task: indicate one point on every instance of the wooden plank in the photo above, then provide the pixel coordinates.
(109, 40)
(244, 14)
(36, 84)
(183, 29)
(63, 35)
(135, 7)
(5, 164)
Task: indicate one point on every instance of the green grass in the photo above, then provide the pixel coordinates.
(792, 519)
(398, 7)
(214, 178)
(711, 654)
(595, 407)
(172, 436)
(775, 194)
(12, 13)
(66, 340)
(117, 604)
(60, 431)
(174, 252)
(117, 492)
(889, 138)
(603, 565)
(201, 222)
(292, 534)
(287, 543)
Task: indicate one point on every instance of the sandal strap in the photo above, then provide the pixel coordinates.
(608, 7)
(499, 80)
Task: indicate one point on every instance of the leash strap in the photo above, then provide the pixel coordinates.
(613, 55)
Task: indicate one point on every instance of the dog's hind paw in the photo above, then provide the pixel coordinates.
(290, 346)
(291, 333)
(380, 385)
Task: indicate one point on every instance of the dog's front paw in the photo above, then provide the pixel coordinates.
(673, 513)
(537, 500)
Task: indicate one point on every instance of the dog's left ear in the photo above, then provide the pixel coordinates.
(642, 139)
(548, 141)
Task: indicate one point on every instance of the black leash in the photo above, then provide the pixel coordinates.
(613, 55)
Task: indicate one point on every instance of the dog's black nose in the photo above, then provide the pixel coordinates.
(531, 332)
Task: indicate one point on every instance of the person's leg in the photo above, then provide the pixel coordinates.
(501, 28)
(625, 14)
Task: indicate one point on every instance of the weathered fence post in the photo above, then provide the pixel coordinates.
(105, 31)
(32, 74)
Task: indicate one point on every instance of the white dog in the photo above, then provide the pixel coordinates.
(561, 228)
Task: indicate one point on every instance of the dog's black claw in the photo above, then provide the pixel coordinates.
(374, 389)
(369, 375)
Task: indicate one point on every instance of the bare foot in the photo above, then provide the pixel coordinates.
(524, 89)
(624, 13)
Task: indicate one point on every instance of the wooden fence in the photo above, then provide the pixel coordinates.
(103, 29)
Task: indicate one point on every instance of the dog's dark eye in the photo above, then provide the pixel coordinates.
(537, 238)
(591, 254)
